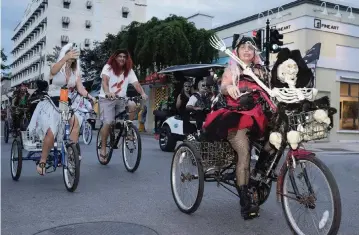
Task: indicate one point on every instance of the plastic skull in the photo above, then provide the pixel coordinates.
(287, 72)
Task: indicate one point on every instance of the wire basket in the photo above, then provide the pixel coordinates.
(30, 142)
(215, 154)
(307, 126)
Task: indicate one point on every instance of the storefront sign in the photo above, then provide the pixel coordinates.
(282, 28)
(319, 25)
(304, 22)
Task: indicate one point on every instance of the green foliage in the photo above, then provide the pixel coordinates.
(52, 58)
(153, 45)
(3, 59)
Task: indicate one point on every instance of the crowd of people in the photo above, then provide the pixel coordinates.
(195, 100)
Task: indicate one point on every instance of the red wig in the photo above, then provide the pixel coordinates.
(116, 68)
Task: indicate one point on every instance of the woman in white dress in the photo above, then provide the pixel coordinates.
(45, 122)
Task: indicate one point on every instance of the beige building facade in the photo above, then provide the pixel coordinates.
(303, 24)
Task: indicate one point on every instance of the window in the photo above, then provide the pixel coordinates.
(65, 22)
(125, 12)
(88, 24)
(349, 106)
(67, 4)
(89, 5)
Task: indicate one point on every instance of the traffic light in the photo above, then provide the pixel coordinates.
(257, 36)
(275, 41)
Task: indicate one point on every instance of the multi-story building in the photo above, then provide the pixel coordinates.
(5, 88)
(303, 24)
(47, 24)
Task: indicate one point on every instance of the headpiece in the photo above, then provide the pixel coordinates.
(290, 70)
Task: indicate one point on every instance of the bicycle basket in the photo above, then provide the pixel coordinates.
(307, 126)
(215, 154)
(30, 142)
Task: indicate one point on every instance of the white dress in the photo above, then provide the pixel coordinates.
(45, 116)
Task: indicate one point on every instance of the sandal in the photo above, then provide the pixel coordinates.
(41, 168)
(103, 158)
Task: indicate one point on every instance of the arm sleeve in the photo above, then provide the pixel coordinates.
(192, 101)
(132, 78)
(106, 70)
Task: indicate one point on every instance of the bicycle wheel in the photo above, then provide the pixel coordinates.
(187, 153)
(6, 132)
(98, 148)
(329, 218)
(87, 133)
(129, 143)
(71, 168)
(16, 156)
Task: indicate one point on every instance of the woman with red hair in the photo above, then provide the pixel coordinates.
(235, 125)
(116, 75)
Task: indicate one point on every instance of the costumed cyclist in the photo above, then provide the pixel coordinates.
(236, 125)
(116, 75)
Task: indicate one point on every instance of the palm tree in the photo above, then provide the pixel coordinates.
(52, 58)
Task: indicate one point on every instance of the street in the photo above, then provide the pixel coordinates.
(110, 193)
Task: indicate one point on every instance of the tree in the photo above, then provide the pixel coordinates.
(3, 59)
(153, 46)
(52, 58)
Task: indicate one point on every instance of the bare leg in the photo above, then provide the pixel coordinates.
(74, 135)
(48, 143)
(104, 135)
(131, 110)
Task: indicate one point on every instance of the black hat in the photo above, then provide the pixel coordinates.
(305, 76)
(239, 40)
(119, 51)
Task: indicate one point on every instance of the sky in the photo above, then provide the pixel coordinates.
(224, 11)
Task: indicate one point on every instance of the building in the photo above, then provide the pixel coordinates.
(5, 88)
(47, 24)
(201, 21)
(303, 24)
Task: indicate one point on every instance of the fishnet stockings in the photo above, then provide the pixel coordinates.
(240, 143)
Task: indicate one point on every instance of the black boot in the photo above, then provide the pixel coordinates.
(248, 209)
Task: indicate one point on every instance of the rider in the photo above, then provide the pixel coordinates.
(21, 100)
(235, 125)
(45, 122)
(198, 102)
(116, 75)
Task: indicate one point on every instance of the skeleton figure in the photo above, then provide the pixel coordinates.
(287, 72)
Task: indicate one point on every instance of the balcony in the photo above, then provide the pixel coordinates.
(40, 23)
(88, 24)
(41, 5)
(42, 38)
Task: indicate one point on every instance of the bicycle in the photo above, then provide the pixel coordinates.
(86, 129)
(122, 128)
(215, 161)
(64, 151)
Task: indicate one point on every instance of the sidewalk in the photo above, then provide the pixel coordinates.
(333, 147)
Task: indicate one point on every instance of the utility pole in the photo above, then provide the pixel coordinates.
(267, 44)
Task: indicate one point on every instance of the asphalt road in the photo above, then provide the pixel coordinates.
(110, 193)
